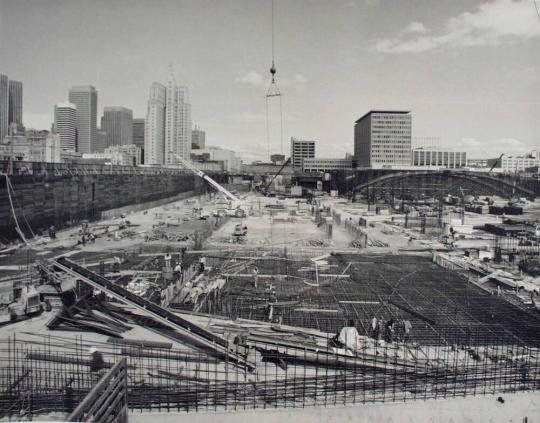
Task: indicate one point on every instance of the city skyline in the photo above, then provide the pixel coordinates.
(468, 70)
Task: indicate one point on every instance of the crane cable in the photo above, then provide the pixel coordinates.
(273, 91)
(537, 12)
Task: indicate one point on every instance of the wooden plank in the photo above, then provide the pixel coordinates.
(140, 343)
(111, 397)
(95, 392)
(316, 310)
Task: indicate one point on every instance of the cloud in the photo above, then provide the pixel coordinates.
(416, 28)
(492, 148)
(249, 117)
(493, 23)
(251, 78)
(355, 4)
(300, 78)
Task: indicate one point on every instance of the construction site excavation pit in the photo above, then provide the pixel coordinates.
(194, 308)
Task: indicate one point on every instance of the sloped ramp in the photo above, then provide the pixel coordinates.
(193, 334)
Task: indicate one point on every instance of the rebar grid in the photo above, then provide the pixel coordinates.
(442, 305)
(38, 379)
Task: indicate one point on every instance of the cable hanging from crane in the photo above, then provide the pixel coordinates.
(273, 91)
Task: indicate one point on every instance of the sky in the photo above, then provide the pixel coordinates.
(469, 71)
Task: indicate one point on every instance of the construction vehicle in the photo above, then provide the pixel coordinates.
(236, 208)
(240, 230)
(28, 304)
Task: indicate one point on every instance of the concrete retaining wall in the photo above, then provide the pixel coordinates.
(147, 205)
(64, 200)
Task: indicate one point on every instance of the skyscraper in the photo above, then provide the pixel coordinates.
(101, 141)
(138, 136)
(118, 123)
(85, 98)
(154, 129)
(4, 106)
(177, 122)
(15, 102)
(198, 138)
(383, 139)
(65, 124)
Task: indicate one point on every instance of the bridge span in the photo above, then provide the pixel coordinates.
(441, 182)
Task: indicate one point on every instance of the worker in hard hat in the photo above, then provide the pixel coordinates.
(97, 363)
(202, 264)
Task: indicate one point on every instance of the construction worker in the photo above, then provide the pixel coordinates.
(374, 327)
(97, 363)
(349, 336)
(178, 269)
(202, 264)
(255, 273)
(116, 264)
(380, 328)
(407, 326)
(390, 331)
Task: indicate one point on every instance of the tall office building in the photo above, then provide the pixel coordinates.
(117, 122)
(4, 106)
(301, 150)
(138, 136)
(177, 122)
(65, 124)
(101, 141)
(10, 105)
(85, 98)
(15, 103)
(198, 138)
(383, 139)
(154, 128)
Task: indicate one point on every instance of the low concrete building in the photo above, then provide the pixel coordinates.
(325, 165)
(513, 164)
(211, 166)
(478, 163)
(39, 146)
(266, 169)
(232, 163)
(53, 148)
(96, 158)
(422, 157)
(124, 155)
(70, 156)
